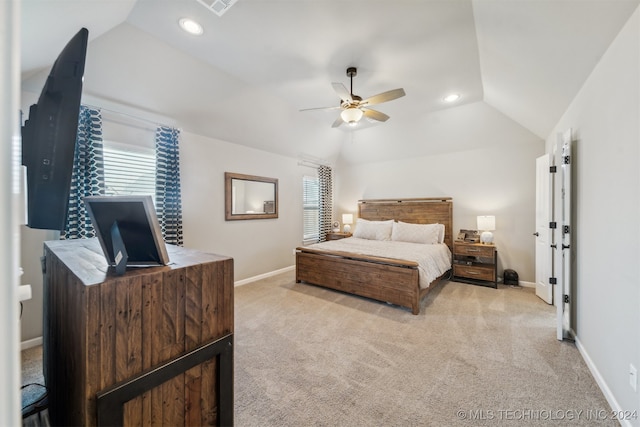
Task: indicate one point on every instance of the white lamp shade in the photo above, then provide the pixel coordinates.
(486, 223)
(351, 115)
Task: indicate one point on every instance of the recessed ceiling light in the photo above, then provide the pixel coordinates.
(191, 26)
(451, 98)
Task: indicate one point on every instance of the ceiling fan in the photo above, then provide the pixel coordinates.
(354, 107)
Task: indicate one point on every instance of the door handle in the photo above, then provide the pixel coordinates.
(536, 234)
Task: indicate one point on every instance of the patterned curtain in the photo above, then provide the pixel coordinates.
(168, 199)
(325, 181)
(87, 178)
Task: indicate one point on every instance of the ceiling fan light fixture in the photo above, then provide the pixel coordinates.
(351, 115)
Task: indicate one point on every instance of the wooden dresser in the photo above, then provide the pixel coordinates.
(475, 263)
(152, 347)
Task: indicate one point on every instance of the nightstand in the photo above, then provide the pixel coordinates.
(475, 263)
(337, 235)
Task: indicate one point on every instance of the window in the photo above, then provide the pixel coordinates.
(129, 169)
(311, 209)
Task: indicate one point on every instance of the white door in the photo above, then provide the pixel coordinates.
(544, 254)
(563, 301)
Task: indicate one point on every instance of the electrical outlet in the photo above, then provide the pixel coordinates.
(633, 377)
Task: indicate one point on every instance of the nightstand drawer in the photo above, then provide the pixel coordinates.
(475, 272)
(474, 250)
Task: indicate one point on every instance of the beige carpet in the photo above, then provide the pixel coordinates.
(306, 356)
(474, 356)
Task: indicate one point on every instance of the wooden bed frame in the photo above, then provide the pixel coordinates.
(384, 279)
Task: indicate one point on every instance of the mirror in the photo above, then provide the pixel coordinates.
(250, 197)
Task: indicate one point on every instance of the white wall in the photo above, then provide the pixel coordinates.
(257, 246)
(9, 262)
(605, 118)
(497, 179)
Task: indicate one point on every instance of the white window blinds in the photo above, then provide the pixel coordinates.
(129, 170)
(311, 209)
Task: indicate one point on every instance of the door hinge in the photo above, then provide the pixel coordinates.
(553, 169)
(566, 160)
(553, 281)
(566, 229)
(566, 299)
(553, 224)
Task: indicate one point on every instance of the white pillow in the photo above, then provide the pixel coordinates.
(417, 233)
(373, 230)
(440, 233)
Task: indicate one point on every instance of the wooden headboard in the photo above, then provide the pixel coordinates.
(418, 211)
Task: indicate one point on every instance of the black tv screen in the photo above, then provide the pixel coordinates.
(49, 138)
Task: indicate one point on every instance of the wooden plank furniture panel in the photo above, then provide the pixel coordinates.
(102, 330)
(383, 279)
(417, 211)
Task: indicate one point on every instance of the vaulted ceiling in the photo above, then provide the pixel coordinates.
(246, 78)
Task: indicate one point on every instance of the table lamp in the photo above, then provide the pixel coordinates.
(347, 220)
(486, 224)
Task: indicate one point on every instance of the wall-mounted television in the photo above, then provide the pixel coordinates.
(49, 138)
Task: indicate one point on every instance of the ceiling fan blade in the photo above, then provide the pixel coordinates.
(321, 108)
(338, 122)
(375, 115)
(342, 92)
(384, 97)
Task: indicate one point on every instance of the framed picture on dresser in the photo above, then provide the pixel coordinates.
(470, 236)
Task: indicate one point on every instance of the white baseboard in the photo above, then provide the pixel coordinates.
(527, 284)
(24, 345)
(615, 406)
(520, 282)
(264, 276)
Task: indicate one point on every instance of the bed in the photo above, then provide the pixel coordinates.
(376, 274)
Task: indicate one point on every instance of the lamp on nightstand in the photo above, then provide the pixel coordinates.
(347, 220)
(486, 224)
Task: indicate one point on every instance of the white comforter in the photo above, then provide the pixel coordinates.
(433, 260)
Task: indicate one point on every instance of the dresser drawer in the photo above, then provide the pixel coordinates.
(475, 272)
(475, 250)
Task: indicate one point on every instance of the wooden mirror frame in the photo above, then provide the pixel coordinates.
(228, 193)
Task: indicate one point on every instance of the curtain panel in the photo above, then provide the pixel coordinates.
(168, 195)
(325, 180)
(87, 178)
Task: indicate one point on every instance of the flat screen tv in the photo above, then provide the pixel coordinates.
(49, 138)
(128, 230)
